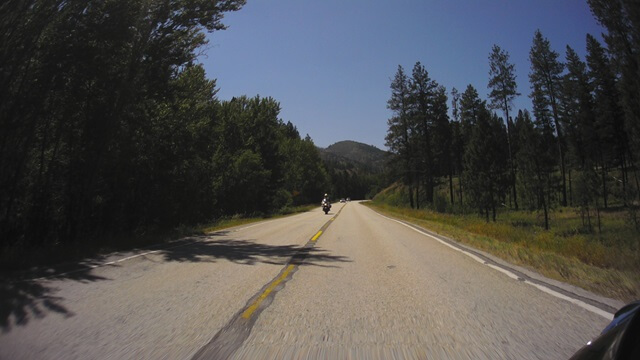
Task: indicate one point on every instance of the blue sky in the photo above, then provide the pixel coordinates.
(330, 63)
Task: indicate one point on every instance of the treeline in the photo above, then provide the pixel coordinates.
(579, 148)
(108, 125)
(353, 181)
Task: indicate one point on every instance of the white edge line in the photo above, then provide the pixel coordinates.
(107, 263)
(582, 304)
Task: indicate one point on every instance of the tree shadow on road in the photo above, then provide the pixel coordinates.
(31, 295)
(217, 246)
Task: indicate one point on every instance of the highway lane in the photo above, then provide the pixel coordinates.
(367, 288)
(166, 304)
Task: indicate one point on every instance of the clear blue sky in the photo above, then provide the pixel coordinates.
(329, 63)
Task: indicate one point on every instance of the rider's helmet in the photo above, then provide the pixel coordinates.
(325, 195)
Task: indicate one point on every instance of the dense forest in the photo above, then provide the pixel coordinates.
(356, 170)
(579, 148)
(109, 126)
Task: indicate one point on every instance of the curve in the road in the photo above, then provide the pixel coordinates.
(594, 306)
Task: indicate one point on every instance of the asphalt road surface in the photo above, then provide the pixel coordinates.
(351, 284)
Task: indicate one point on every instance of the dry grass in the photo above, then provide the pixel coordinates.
(606, 263)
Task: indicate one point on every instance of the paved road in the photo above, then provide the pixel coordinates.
(365, 287)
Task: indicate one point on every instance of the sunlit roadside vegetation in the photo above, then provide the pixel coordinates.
(604, 262)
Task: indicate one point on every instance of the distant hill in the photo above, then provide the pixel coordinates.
(356, 169)
(352, 154)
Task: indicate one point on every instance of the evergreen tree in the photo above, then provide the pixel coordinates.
(577, 116)
(422, 89)
(622, 20)
(457, 145)
(400, 132)
(88, 89)
(545, 82)
(609, 116)
(306, 177)
(535, 164)
(502, 82)
(469, 108)
(486, 165)
(442, 137)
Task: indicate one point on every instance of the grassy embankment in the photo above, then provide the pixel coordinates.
(607, 263)
(20, 258)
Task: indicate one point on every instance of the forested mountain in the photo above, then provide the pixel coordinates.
(355, 169)
(355, 154)
(579, 148)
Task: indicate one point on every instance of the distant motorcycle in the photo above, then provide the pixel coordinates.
(326, 207)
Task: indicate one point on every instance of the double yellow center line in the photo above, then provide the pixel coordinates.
(228, 339)
(316, 236)
(253, 307)
(246, 314)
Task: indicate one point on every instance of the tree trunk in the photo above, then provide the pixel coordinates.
(623, 169)
(570, 190)
(460, 188)
(418, 192)
(546, 215)
(598, 215)
(411, 196)
(556, 120)
(513, 169)
(604, 183)
(451, 188)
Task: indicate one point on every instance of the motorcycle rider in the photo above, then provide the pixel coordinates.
(325, 200)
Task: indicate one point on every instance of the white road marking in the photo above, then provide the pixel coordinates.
(94, 266)
(607, 315)
(250, 226)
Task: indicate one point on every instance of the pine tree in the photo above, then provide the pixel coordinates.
(545, 82)
(502, 82)
(457, 144)
(622, 20)
(609, 116)
(577, 115)
(400, 132)
(442, 137)
(470, 108)
(486, 165)
(535, 164)
(422, 94)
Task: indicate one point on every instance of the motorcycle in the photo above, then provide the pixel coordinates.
(326, 207)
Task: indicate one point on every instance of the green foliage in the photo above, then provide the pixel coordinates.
(419, 133)
(579, 148)
(306, 177)
(355, 169)
(486, 164)
(398, 138)
(502, 82)
(536, 164)
(605, 263)
(108, 128)
(545, 75)
(622, 20)
(102, 116)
